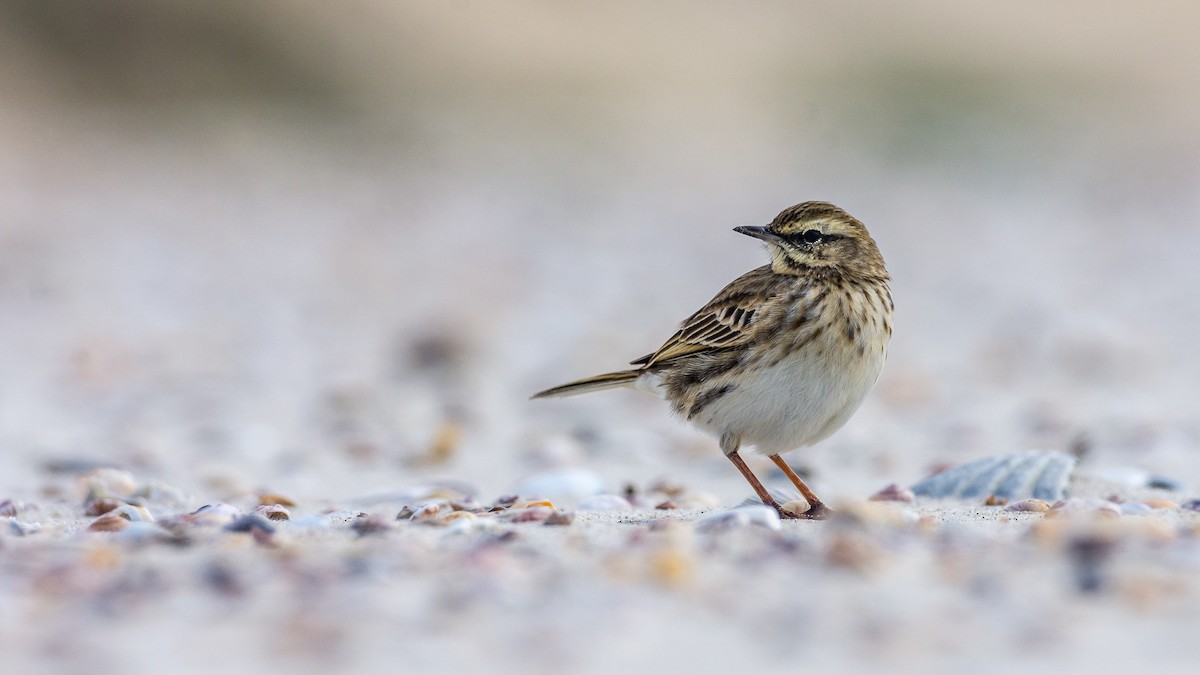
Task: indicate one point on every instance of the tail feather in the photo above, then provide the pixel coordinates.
(624, 378)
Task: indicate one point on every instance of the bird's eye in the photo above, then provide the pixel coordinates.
(812, 236)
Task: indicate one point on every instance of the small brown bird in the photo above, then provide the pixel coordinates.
(784, 354)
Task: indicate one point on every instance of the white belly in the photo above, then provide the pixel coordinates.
(796, 403)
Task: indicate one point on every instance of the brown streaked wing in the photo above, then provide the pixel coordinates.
(724, 322)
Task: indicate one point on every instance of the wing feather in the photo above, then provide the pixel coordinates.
(726, 321)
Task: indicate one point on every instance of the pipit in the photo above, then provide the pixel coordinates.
(784, 354)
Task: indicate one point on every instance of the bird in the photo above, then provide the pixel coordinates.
(783, 356)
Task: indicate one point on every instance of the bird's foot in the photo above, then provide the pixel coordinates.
(817, 511)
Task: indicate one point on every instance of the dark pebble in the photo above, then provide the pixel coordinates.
(1164, 483)
(251, 524)
(1190, 505)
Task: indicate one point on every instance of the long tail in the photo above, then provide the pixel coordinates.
(622, 378)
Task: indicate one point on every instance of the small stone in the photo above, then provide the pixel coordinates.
(273, 512)
(668, 505)
(668, 488)
(1135, 509)
(459, 515)
(796, 507)
(427, 514)
(8, 508)
(466, 504)
(1164, 483)
(504, 502)
(273, 499)
(1067, 508)
(1156, 503)
(873, 516)
(614, 503)
(672, 567)
(567, 486)
(252, 524)
(893, 493)
(406, 512)
(740, 517)
(698, 500)
(535, 514)
(213, 514)
(1089, 556)
(145, 532)
(1029, 505)
(108, 523)
(101, 506)
(20, 529)
(560, 518)
(854, 551)
(995, 501)
(1190, 505)
(372, 524)
(107, 481)
(531, 504)
(133, 512)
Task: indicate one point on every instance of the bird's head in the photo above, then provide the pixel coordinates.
(815, 235)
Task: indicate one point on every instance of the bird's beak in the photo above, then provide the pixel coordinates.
(760, 232)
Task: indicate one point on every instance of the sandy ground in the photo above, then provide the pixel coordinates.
(291, 250)
(925, 587)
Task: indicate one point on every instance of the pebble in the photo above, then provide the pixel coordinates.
(8, 508)
(667, 505)
(157, 491)
(273, 499)
(1135, 509)
(20, 529)
(796, 507)
(372, 524)
(133, 512)
(610, 503)
(560, 518)
(854, 551)
(106, 482)
(108, 523)
(534, 514)
(894, 493)
(218, 514)
(567, 486)
(756, 515)
(101, 506)
(698, 500)
(1190, 505)
(1029, 505)
(252, 524)
(1122, 475)
(1089, 507)
(273, 512)
(1164, 483)
(427, 514)
(672, 567)
(1157, 503)
(873, 515)
(144, 532)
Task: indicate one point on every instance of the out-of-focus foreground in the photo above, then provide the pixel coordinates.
(329, 249)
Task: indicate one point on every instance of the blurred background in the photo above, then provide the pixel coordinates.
(331, 248)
